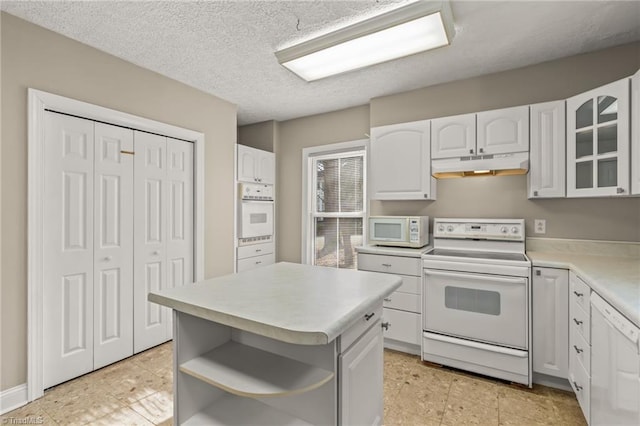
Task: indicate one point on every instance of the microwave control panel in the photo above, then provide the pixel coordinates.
(414, 230)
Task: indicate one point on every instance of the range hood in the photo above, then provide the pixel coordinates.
(481, 165)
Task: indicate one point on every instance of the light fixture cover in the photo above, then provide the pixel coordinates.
(401, 32)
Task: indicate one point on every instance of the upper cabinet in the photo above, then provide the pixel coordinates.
(635, 133)
(400, 162)
(598, 141)
(547, 159)
(256, 165)
(503, 131)
(453, 136)
(499, 131)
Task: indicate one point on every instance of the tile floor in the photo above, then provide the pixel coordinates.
(137, 391)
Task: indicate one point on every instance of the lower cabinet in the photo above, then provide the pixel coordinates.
(580, 342)
(360, 380)
(550, 304)
(403, 308)
(255, 256)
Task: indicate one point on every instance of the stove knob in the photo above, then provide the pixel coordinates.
(450, 228)
(441, 228)
(514, 230)
(503, 229)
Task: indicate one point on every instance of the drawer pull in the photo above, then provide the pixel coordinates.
(578, 294)
(369, 316)
(578, 350)
(387, 299)
(388, 265)
(258, 250)
(577, 322)
(386, 325)
(258, 262)
(578, 387)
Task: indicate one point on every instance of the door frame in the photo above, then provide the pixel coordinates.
(38, 102)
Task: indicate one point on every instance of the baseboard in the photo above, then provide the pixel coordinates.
(552, 382)
(13, 398)
(397, 345)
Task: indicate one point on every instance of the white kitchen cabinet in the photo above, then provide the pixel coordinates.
(400, 162)
(256, 165)
(503, 131)
(402, 308)
(579, 341)
(598, 141)
(361, 398)
(550, 304)
(255, 255)
(453, 136)
(547, 159)
(635, 133)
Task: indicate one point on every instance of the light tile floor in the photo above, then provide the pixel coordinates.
(138, 391)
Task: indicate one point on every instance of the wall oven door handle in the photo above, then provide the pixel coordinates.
(477, 345)
(477, 277)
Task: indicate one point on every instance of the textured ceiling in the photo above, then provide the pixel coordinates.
(226, 47)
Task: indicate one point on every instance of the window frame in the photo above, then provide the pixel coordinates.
(309, 185)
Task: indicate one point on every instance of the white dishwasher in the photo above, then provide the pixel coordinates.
(615, 367)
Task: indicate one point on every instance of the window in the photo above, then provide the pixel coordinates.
(336, 200)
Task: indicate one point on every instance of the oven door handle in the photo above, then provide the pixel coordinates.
(477, 345)
(477, 277)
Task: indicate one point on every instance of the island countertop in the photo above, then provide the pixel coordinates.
(290, 302)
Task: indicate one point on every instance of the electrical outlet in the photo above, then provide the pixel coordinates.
(540, 226)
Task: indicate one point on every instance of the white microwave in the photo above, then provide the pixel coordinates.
(399, 231)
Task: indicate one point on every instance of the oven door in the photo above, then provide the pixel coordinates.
(255, 219)
(481, 307)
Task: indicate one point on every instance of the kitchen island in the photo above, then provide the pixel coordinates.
(284, 344)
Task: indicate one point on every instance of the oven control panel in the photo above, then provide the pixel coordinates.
(483, 229)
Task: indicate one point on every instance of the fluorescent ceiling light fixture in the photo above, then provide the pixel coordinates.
(401, 32)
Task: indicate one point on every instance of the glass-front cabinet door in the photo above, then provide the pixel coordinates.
(598, 141)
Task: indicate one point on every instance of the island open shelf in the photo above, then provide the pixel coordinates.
(247, 371)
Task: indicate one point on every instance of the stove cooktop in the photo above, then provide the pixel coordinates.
(515, 257)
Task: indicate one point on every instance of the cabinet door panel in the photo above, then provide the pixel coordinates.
(247, 164)
(267, 168)
(68, 248)
(503, 131)
(635, 134)
(113, 237)
(453, 136)
(550, 321)
(400, 162)
(547, 161)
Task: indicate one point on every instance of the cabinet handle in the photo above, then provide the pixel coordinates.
(577, 322)
(426, 195)
(535, 193)
(578, 350)
(258, 262)
(387, 299)
(386, 325)
(578, 387)
(538, 273)
(369, 316)
(258, 250)
(388, 265)
(481, 150)
(620, 190)
(578, 294)
(471, 151)
(155, 253)
(108, 258)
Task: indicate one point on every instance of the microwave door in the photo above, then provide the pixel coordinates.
(388, 230)
(256, 219)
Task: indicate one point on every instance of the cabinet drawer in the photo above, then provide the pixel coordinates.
(581, 383)
(358, 328)
(245, 252)
(580, 321)
(404, 301)
(256, 262)
(403, 326)
(579, 292)
(411, 285)
(580, 350)
(389, 264)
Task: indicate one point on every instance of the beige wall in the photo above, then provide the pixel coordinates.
(259, 135)
(601, 219)
(38, 58)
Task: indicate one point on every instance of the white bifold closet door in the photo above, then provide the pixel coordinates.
(163, 236)
(88, 247)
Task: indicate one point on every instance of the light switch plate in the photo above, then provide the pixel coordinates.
(540, 226)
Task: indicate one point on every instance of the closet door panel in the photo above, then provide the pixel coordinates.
(113, 237)
(150, 224)
(68, 248)
(180, 219)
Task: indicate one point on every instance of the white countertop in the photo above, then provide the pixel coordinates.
(301, 304)
(615, 278)
(394, 251)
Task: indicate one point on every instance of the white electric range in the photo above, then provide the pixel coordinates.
(477, 298)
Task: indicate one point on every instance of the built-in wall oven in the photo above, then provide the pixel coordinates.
(476, 307)
(255, 213)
